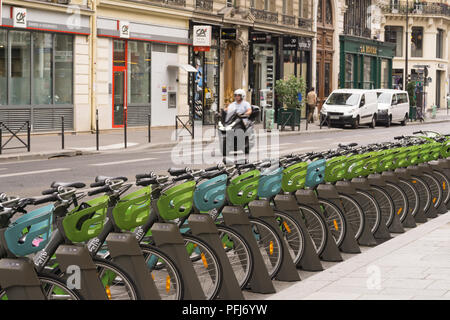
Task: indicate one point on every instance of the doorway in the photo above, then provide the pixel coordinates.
(438, 88)
(119, 85)
(229, 76)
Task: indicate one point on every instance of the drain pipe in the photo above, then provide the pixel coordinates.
(93, 61)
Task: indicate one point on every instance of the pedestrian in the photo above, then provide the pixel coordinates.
(311, 101)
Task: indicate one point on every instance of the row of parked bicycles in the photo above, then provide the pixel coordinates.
(212, 233)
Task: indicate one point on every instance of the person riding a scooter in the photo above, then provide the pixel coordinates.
(239, 106)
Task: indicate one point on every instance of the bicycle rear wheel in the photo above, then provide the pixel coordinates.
(269, 244)
(206, 265)
(238, 252)
(353, 214)
(293, 235)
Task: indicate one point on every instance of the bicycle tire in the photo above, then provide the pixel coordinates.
(444, 183)
(133, 290)
(52, 279)
(245, 258)
(435, 189)
(316, 227)
(399, 198)
(413, 198)
(335, 220)
(168, 283)
(268, 246)
(385, 203)
(293, 234)
(424, 192)
(354, 214)
(206, 261)
(371, 210)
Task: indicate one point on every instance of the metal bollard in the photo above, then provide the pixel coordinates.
(149, 128)
(62, 132)
(1, 142)
(125, 129)
(96, 129)
(28, 136)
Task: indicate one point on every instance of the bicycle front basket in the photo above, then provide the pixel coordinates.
(133, 210)
(243, 188)
(31, 232)
(210, 194)
(86, 222)
(176, 202)
(270, 183)
(294, 177)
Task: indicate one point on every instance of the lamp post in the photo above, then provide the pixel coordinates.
(406, 47)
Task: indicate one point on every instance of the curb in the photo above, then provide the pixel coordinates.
(43, 155)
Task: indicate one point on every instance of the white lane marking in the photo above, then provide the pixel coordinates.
(108, 147)
(2, 169)
(32, 172)
(120, 162)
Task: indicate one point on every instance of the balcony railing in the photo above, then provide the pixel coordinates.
(357, 31)
(179, 3)
(304, 23)
(204, 5)
(288, 20)
(422, 8)
(265, 16)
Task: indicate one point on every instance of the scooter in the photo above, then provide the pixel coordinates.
(235, 134)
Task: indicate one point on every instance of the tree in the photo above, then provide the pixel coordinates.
(287, 91)
(411, 87)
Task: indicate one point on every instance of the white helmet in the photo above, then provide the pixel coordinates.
(240, 92)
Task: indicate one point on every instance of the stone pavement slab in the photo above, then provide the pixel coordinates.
(405, 267)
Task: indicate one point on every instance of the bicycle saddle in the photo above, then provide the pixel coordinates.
(77, 185)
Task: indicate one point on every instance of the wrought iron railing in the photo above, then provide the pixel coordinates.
(205, 5)
(288, 20)
(265, 16)
(179, 3)
(416, 8)
(304, 23)
(357, 31)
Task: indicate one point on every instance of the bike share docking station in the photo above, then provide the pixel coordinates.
(261, 209)
(377, 180)
(443, 166)
(366, 237)
(126, 252)
(441, 209)
(90, 285)
(331, 251)
(395, 178)
(349, 243)
(309, 261)
(168, 238)
(204, 227)
(19, 280)
(236, 218)
(382, 232)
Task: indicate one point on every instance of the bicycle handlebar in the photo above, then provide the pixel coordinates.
(99, 190)
(51, 198)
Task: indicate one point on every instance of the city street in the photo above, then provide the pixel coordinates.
(29, 178)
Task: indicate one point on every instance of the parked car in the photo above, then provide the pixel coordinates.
(393, 105)
(351, 107)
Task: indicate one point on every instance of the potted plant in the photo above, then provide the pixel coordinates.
(287, 92)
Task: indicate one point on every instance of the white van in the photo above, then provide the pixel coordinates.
(393, 105)
(352, 107)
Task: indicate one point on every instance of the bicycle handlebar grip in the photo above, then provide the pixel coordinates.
(398, 137)
(49, 191)
(146, 182)
(99, 190)
(97, 184)
(51, 198)
(353, 144)
(177, 172)
(145, 176)
(183, 177)
(216, 167)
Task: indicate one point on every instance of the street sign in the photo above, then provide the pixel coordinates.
(202, 38)
(124, 29)
(19, 17)
(290, 43)
(299, 95)
(228, 34)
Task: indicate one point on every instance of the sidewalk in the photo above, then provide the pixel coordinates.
(47, 146)
(414, 265)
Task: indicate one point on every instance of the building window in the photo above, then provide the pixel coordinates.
(416, 41)
(35, 68)
(42, 68)
(328, 13)
(385, 74)
(3, 68)
(63, 69)
(349, 68)
(319, 12)
(367, 73)
(19, 82)
(440, 44)
(139, 71)
(394, 34)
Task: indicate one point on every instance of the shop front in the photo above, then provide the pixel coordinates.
(204, 82)
(142, 72)
(274, 57)
(365, 63)
(39, 50)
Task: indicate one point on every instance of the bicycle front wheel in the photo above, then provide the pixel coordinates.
(117, 282)
(164, 272)
(316, 227)
(399, 199)
(371, 210)
(335, 220)
(269, 244)
(353, 214)
(293, 235)
(238, 253)
(206, 265)
(385, 203)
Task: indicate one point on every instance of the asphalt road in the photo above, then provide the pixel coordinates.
(29, 178)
